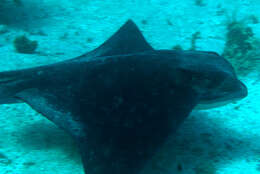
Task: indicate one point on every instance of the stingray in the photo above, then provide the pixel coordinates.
(121, 101)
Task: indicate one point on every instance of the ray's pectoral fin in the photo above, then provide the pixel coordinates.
(127, 146)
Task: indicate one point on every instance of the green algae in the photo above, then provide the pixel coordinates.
(199, 3)
(23, 45)
(177, 47)
(241, 47)
(195, 36)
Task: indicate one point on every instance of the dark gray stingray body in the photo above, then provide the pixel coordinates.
(121, 101)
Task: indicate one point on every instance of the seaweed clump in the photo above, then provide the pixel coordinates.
(199, 3)
(23, 45)
(195, 36)
(177, 47)
(241, 47)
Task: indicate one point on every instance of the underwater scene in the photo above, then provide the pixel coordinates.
(130, 87)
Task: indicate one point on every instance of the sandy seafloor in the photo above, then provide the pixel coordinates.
(225, 140)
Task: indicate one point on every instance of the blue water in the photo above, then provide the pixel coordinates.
(222, 140)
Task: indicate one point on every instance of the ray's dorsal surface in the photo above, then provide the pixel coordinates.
(121, 101)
